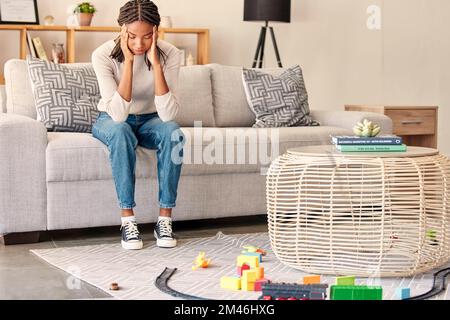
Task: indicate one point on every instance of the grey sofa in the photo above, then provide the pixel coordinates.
(59, 180)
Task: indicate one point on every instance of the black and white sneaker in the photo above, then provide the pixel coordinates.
(163, 233)
(131, 239)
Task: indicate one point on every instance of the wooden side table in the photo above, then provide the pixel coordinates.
(416, 124)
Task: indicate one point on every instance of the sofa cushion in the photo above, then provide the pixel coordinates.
(194, 91)
(228, 91)
(79, 156)
(277, 101)
(18, 89)
(66, 96)
(2, 99)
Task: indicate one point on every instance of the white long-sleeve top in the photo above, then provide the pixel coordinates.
(143, 100)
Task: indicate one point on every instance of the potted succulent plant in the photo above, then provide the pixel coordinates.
(85, 12)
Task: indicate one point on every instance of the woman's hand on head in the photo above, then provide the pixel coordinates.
(128, 55)
(152, 54)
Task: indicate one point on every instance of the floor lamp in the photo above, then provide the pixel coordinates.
(267, 10)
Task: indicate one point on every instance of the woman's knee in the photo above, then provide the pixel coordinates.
(171, 131)
(121, 131)
(119, 128)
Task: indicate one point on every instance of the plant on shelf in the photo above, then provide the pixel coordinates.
(85, 11)
(86, 7)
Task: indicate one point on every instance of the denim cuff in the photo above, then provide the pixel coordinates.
(127, 206)
(166, 206)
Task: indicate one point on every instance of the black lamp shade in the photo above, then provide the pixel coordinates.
(267, 10)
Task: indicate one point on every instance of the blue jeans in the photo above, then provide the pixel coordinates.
(148, 131)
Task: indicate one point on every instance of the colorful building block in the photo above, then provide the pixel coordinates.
(256, 254)
(311, 280)
(248, 276)
(339, 292)
(259, 272)
(345, 281)
(243, 268)
(233, 283)
(403, 293)
(259, 283)
(373, 293)
(248, 286)
(431, 235)
(254, 249)
(252, 261)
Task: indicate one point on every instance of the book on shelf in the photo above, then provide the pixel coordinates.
(355, 140)
(372, 148)
(40, 51)
(31, 45)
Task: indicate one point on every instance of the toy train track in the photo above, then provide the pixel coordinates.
(439, 285)
(161, 283)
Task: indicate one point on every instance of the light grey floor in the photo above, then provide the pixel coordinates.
(25, 276)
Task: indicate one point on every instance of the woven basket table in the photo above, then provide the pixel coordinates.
(363, 214)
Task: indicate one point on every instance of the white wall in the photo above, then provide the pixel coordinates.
(404, 63)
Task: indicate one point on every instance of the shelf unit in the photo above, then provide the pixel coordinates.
(202, 39)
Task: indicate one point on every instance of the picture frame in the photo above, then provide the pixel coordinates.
(19, 12)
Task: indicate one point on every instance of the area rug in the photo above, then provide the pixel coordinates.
(136, 271)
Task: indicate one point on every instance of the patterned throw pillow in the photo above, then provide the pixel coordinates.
(66, 96)
(277, 101)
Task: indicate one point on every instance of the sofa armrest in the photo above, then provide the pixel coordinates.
(348, 119)
(23, 194)
(2, 99)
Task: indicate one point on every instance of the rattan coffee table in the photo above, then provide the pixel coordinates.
(362, 214)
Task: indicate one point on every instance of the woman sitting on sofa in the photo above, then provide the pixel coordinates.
(137, 75)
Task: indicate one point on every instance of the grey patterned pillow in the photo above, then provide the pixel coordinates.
(277, 101)
(66, 96)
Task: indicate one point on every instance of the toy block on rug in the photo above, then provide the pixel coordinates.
(255, 249)
(339, 292)
(345, 281)
(252, 261)
(232, 283)
(248, 286)
(403, 293)
(242, 269)
(311, 279)
(259, 273)
(259, 283)
(114, 286)
(249, 276)
(253, 254)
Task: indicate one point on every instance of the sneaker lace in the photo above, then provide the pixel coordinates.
(165, 228)
(131, 230)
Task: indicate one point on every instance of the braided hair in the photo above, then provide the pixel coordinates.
(137, 10)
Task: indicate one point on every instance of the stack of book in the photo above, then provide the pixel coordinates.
(384, 143)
